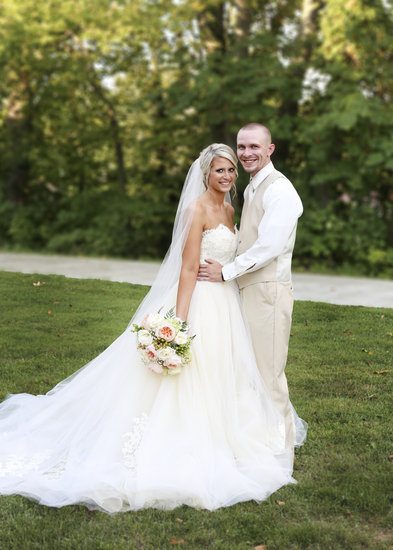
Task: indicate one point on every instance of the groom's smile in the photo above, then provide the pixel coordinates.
(254, 150)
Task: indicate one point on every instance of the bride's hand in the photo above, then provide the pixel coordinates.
(210, 271)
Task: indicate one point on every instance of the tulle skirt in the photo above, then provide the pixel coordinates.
(116, 436)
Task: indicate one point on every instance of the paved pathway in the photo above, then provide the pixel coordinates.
(317, 288)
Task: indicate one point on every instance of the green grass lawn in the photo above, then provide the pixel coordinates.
(340, 376)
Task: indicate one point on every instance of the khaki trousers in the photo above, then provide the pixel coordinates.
(268, 309)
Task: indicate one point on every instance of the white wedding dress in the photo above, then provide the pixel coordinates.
(116, 436)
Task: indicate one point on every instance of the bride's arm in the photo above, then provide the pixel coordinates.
(190, 265)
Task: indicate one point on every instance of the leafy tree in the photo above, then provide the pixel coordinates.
(346, 132)
(105, 104)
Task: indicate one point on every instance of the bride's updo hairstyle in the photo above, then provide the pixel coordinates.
(211, 152)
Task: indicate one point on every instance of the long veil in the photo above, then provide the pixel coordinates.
(169, 271)
(165, 283)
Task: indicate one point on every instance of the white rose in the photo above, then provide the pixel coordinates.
(155, 320)
(165, 353)
(145, 338)
(156, 367)
(181, 338)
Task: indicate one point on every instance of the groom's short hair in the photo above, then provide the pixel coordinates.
(257, 126)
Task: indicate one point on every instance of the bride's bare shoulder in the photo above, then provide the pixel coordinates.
(200, 206)
(229, 208)
(197, 214)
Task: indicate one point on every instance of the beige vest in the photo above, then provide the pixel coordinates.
(252, 215)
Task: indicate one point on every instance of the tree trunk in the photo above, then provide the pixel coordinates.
(242, 29)
(111, 111)
(19, 125)
(213, 33)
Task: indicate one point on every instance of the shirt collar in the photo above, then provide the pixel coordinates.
(261, 175)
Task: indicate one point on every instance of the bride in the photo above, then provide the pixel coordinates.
(116, 436)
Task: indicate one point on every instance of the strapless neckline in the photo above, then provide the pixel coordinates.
(218, 227)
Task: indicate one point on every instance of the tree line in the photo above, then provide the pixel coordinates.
(105, 104)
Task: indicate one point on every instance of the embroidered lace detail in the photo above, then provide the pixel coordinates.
(219, 244)
(18, 465)
(132, 440)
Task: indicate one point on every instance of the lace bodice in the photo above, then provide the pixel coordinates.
(219, 244)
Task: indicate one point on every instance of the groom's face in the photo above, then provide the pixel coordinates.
(253, 150)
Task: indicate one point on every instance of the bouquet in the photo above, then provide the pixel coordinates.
(163, 342)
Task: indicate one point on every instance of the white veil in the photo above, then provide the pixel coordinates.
(169, 272)
(123, 351)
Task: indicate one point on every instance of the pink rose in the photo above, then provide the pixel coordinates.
(156, 367)
(173, 362)
(151, 353)
(166, 332)
(145, 321)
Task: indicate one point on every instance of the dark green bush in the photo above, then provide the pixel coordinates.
(353, 237)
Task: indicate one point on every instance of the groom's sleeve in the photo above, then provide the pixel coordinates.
(283, 207)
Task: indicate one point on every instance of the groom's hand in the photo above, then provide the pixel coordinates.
(210, 271)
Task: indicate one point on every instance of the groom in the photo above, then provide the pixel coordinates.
(263, 265)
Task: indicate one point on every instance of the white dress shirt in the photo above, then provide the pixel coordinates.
(276, 235)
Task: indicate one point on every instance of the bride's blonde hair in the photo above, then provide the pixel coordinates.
(210, 153)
